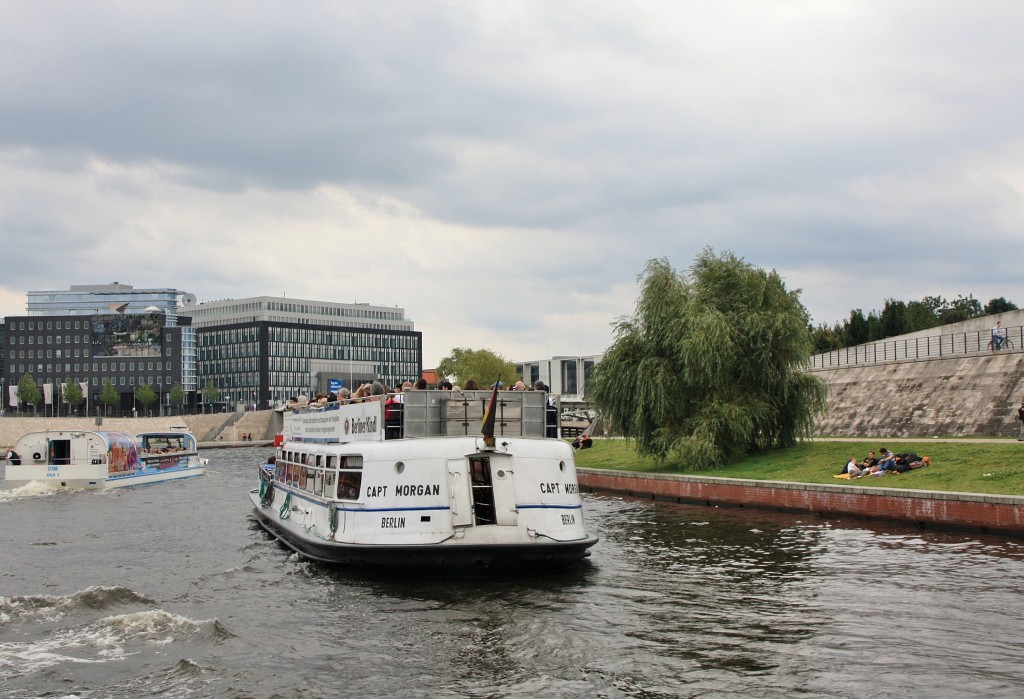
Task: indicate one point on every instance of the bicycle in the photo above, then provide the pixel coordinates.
(1006, 344)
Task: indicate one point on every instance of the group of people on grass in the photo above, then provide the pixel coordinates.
(887, 463)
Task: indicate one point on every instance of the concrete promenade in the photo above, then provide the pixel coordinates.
(927, 509)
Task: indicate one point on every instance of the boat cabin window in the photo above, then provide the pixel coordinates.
(310, 479)
(350, 477)
(163, 443)
(330, 476)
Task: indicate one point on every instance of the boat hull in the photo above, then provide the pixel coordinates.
(101, 482)
(449, 557)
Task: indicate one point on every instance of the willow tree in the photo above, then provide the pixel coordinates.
(709, 368)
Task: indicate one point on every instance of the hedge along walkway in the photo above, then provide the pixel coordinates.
(927, 508)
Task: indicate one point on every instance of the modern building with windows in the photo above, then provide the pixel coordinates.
(264, 350)
(566, 376)
(90, 334)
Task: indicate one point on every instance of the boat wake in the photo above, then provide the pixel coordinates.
(33, 489)
(44, 631)
(52, 608)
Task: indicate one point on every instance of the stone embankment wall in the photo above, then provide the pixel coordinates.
(962, 397)
(256, 423)
(12, 428)
(971, 394)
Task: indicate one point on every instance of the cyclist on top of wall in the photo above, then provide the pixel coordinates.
(998, 335)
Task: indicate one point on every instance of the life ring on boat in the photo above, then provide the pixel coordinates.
(266, 493)
(332, 521)
(286, 507)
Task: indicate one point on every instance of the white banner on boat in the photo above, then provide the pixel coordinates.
(353, 422)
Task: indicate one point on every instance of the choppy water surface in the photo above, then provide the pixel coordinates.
(171, 590)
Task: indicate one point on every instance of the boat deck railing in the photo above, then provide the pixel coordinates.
(461, 413)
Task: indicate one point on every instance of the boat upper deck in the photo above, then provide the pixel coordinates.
(424, 414)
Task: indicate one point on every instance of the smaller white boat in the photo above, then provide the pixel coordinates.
(77, 459)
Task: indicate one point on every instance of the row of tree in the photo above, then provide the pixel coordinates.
(29, 393)
(901, 317)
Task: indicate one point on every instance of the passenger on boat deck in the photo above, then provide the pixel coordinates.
(271, 465)
(378, 389)
(420, 385)
(471, 385)
(344, 395)
(444, 385)
(519, 386)
(331, 397)
(362, 393)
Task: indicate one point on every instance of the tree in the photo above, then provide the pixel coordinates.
(177, 395)
(109, 395)
(483, 366)
(893, 320)
(28, 391)
(964, 308)
(72, 394)
(921, 316)
(146, 395)
(709, 367)
(826, 339)
(999, 305)
(210, 393)
(856, 328)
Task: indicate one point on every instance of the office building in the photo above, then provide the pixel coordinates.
(264, 350)
(90, 334)
(566, 376)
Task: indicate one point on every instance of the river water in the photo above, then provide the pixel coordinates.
(171, 590)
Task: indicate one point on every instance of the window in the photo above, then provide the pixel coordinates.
(350, 477)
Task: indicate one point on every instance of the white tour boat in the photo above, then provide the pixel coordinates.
(434, 496)
(102, 460)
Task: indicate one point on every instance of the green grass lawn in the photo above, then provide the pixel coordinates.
(996, 469)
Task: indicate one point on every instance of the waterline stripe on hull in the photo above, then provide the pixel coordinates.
(342, 507)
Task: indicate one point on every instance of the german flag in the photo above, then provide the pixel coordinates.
(488, 426)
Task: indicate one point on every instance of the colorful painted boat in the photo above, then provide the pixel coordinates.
(100, 460)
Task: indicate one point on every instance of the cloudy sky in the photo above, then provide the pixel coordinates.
(503, 171)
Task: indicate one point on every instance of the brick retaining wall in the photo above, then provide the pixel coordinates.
(928, 509)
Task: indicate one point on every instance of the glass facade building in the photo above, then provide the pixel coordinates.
(97, 299)
(264, 350)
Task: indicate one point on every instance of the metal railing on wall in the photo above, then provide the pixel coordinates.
(965, 343)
